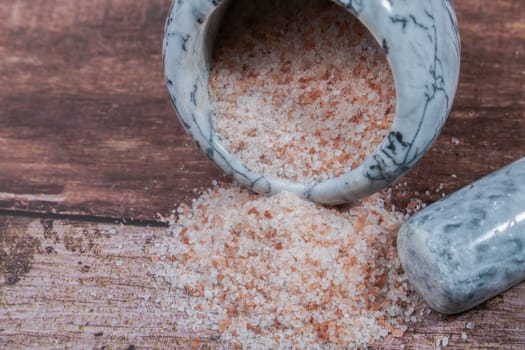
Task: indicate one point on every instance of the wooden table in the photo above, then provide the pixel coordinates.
(92, 157)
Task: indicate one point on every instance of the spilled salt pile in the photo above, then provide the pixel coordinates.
(279, 272)
(300, 89)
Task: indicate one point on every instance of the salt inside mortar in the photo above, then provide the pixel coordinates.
(300, 89)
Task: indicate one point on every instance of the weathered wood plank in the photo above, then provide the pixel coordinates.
(68, 284)
(86, 127)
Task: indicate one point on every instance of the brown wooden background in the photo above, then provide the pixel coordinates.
(87, 137)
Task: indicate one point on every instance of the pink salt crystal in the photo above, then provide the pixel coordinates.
(292, 102)
(286, 271)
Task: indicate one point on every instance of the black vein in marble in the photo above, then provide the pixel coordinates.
(396, 143)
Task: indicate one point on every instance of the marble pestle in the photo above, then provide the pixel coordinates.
(469, 246)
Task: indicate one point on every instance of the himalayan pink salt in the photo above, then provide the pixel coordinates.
(300, 89)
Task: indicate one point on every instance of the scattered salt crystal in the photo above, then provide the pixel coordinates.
(445, 341)
(464, 336)
(455, 141)
(470, 325)
(410, 311)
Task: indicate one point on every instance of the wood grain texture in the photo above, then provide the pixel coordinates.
(86, 128)
(86, 125)
(87, 286)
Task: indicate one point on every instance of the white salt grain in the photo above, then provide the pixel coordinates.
(303, 92)
(445, 341)
(464, 336)
(279, 270)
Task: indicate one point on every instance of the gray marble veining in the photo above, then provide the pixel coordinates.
(421, 41)
(470, 246)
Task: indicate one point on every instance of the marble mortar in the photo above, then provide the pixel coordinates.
(469, 246)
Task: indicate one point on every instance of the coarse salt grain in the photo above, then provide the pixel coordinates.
(445, 341)
(300, 89)
(280, 272)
